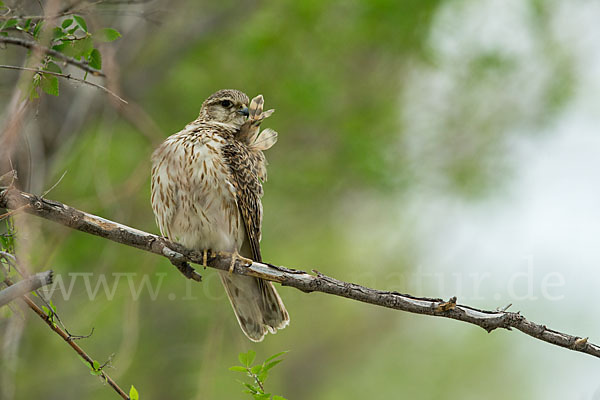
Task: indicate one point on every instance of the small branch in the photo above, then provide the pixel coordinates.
(488, 320)
(67, 338)
(25, 286)
(65, 76)
(34, 46)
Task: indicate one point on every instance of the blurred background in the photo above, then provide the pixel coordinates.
(436, 148)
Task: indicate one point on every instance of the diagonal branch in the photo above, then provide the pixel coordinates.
(177, 254)
(34, 46)
(69, 339)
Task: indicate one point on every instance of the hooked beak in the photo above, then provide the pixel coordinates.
(244, 111)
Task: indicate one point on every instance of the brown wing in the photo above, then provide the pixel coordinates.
(243, 171)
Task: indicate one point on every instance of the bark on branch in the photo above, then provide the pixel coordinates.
(25, 286)
(489, 320)
(28, 44)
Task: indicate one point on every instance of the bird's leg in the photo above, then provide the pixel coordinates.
(235, 256)
(204, 257)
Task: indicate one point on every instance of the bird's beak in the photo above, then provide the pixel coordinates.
(244, 111)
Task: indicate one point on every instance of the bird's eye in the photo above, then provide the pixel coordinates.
(226, 103)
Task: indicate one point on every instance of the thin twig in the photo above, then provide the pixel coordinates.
(177, 254)
(66, 76)
(34, 46)
(67, 338)
(57, 182)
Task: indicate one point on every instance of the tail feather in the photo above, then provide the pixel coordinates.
(256, 304)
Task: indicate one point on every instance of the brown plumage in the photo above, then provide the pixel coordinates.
(206, 194)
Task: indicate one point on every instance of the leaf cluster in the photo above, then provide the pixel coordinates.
(69, 36)
(258, 373)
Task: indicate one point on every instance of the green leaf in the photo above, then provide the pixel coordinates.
(238, 368)
(262, 396)
(66, 23)
(95, 59)
(276, 355)
(263, 376)
(95, 368)
(57, 33)
(77, 48)
(81, 22)
(133, 393)
(250, 356)
(38, 29)
(53, 67)
(255, 389)
(247, 358)
(243, 357)
(11, 23)
(279, 398)
(45, 309)
(105, 35)
(256, 369)
(272, 364)
(50, 84)
(85, 46)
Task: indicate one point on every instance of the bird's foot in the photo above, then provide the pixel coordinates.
(237, 257)
(204, 258)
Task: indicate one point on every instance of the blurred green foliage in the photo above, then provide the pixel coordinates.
(372, 105)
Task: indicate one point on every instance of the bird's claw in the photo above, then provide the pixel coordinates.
(235, 257)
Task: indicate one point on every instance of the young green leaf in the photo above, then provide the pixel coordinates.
(95, 59)
(243, 357)
(255, 389)
(250, 357)
(53, 67)
(50, 84)
(262, 396)
(272, 364)
(84, 47)
(276, 355)
(105, 35)
(238, 368)
(57, 33)
(263, 376)
(133, 393)
(38, 29)
(81, 22)
(11, 23)
(256, 369)
(67, 23)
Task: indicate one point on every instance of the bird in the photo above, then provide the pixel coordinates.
(206, 189)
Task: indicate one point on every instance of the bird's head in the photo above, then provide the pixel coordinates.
(227, 106)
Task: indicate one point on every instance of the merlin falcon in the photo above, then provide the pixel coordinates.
(206, 194)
